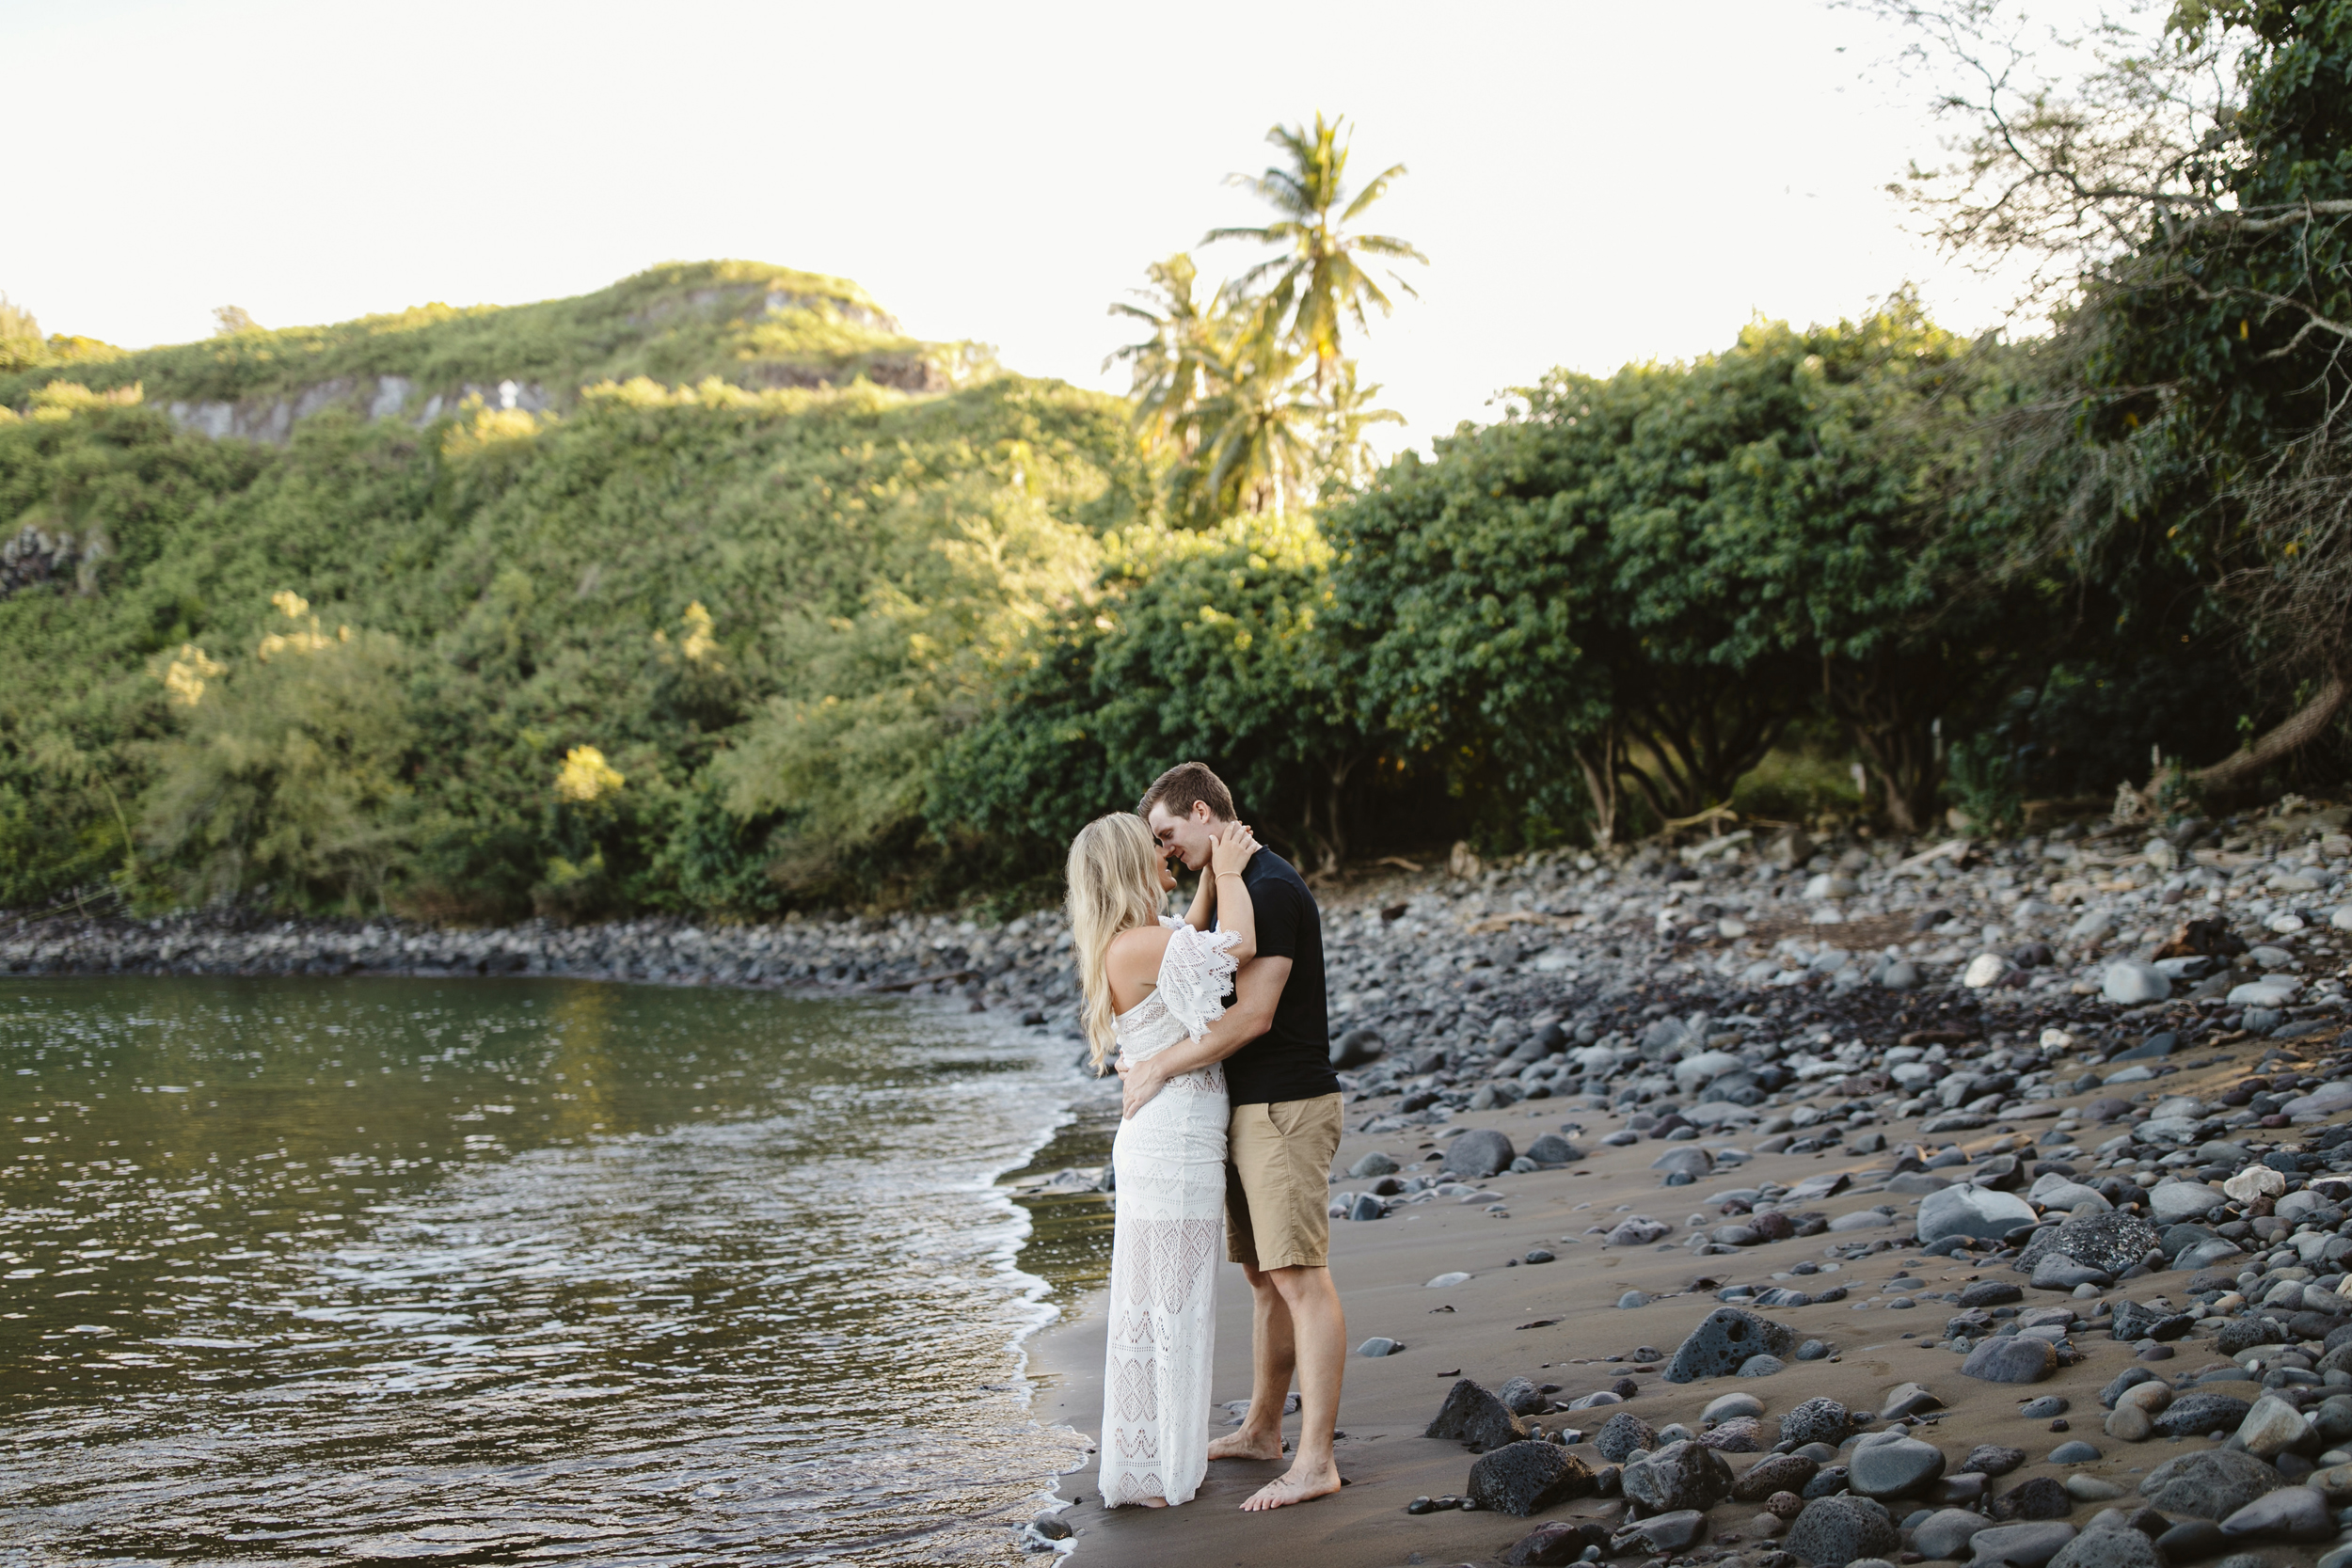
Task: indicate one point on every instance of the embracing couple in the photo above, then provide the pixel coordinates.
(1230, 1118)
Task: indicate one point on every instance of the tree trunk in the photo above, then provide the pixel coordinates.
(2294, 732)
(1600, 759)
(1889, 713)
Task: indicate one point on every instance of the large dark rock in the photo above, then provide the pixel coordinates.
(2211, 1483)
(1666, 1532)
(1472, 1415)
(1553, 1149)
(1992, 1459)
(1478, 1155)
(1521, 1479)
(2013, 1360)
(2040, 1497)
(1832, 1531)
(1774, 1472)
(2287, 1514)
(1990, 1292)
(1822, 1420)
(2117, 1546)
(2245, 1333)
(1523, 1397)
(2022, 1545)
(2133, 1320)
(2194, 1414)
(1680, 1475)
(2111, 1242)
(1557, 1542)
(1622, 1433)
(1725, 1338)
(1896, 1467)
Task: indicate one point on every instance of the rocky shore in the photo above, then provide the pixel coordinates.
(2081, 1098)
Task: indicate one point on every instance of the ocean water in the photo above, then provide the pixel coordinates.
(487, 1272)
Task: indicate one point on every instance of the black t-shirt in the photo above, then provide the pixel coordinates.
(1291, 1060)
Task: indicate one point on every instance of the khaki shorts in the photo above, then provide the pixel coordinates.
(1277, 1187)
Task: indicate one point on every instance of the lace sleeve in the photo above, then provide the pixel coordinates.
(1194, 975)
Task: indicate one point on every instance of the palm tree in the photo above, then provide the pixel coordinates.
(1171, 369)
(1319, 281)
(1260, 450)
(1342, 461)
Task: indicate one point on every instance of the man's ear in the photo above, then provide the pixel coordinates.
(1200, 812)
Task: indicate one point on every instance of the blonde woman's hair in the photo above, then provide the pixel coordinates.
(1112, 889)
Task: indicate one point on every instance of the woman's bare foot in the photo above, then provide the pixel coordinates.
(1241, 1445)
(1151, 1502)
(1293, 1487)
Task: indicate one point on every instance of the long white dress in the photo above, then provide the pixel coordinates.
(1169, 1160)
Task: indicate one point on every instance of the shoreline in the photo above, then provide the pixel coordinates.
(1816, 1041)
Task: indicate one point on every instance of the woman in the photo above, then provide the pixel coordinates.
(1149, 983)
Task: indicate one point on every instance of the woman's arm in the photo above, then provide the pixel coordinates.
(1203, 903)
(1228, 858)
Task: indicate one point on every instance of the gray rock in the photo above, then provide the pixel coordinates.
(1833, 1531)
(1679, 1476)
(2045, 1407)
(2122, 1547)
(1907, 1399)
(1813, 1350)
(2076, 1453)
(1632, 1299)
(1689, 1160)
(1900, 1469)
(2135, 1321)
(1666, 1532)
(1367, 1207)
(1522, 1398)
(2036, 1497)
(2057, 1272)
(1947, 1532)
(2271, 1427)
(2011, 1360)
(1977, 1212)
(1373, 1163)
(2174, 1201)
(1556, 1542)
(1821, 1420)
(1740, 1434)
(1990, 1292)
(1478, 1155)
(2129, 982)
(1522, 1478)
(1622, 1433)
(2025, 1546)
(1472, 1415)
(1634, 1230)
(2287, 1514)
(2195, 1415)
(1725, 1407)
(1992, 1459)
(1725, 1340)
(2211, 1483)
(1761, 1366)
(1553, 1149)
(1377, 1346)
(1774, 1472)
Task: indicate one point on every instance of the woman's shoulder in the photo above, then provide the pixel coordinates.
(1141, 942)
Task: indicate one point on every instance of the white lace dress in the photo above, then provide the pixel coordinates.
(1170, 1163)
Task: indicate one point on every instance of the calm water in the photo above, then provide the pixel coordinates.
(493, 1272)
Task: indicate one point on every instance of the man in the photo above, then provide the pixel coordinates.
(1275, 1042)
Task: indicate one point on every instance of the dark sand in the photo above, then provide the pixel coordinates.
(1495, 1331)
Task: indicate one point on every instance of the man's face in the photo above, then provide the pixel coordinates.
(1186, 838)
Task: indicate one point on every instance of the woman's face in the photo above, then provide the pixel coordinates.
(1164, 878)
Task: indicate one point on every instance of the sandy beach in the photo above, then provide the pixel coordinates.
(1558, 1323)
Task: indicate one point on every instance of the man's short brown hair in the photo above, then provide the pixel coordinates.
(1182, 787)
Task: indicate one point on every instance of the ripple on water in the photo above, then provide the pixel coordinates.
(502, 1270)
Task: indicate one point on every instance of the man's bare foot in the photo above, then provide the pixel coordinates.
(1293, 1487)
(1241, 1445)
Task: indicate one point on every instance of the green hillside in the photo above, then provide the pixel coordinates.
(725, 536)
(744, 321)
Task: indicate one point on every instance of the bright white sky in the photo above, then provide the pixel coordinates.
(1592, 182)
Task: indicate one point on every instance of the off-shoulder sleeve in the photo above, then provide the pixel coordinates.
(1194, 975)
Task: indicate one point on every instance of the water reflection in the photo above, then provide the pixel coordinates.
(497, 1271)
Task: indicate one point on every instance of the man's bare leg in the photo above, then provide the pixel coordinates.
(1272, 1358)
(1319, 1348)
